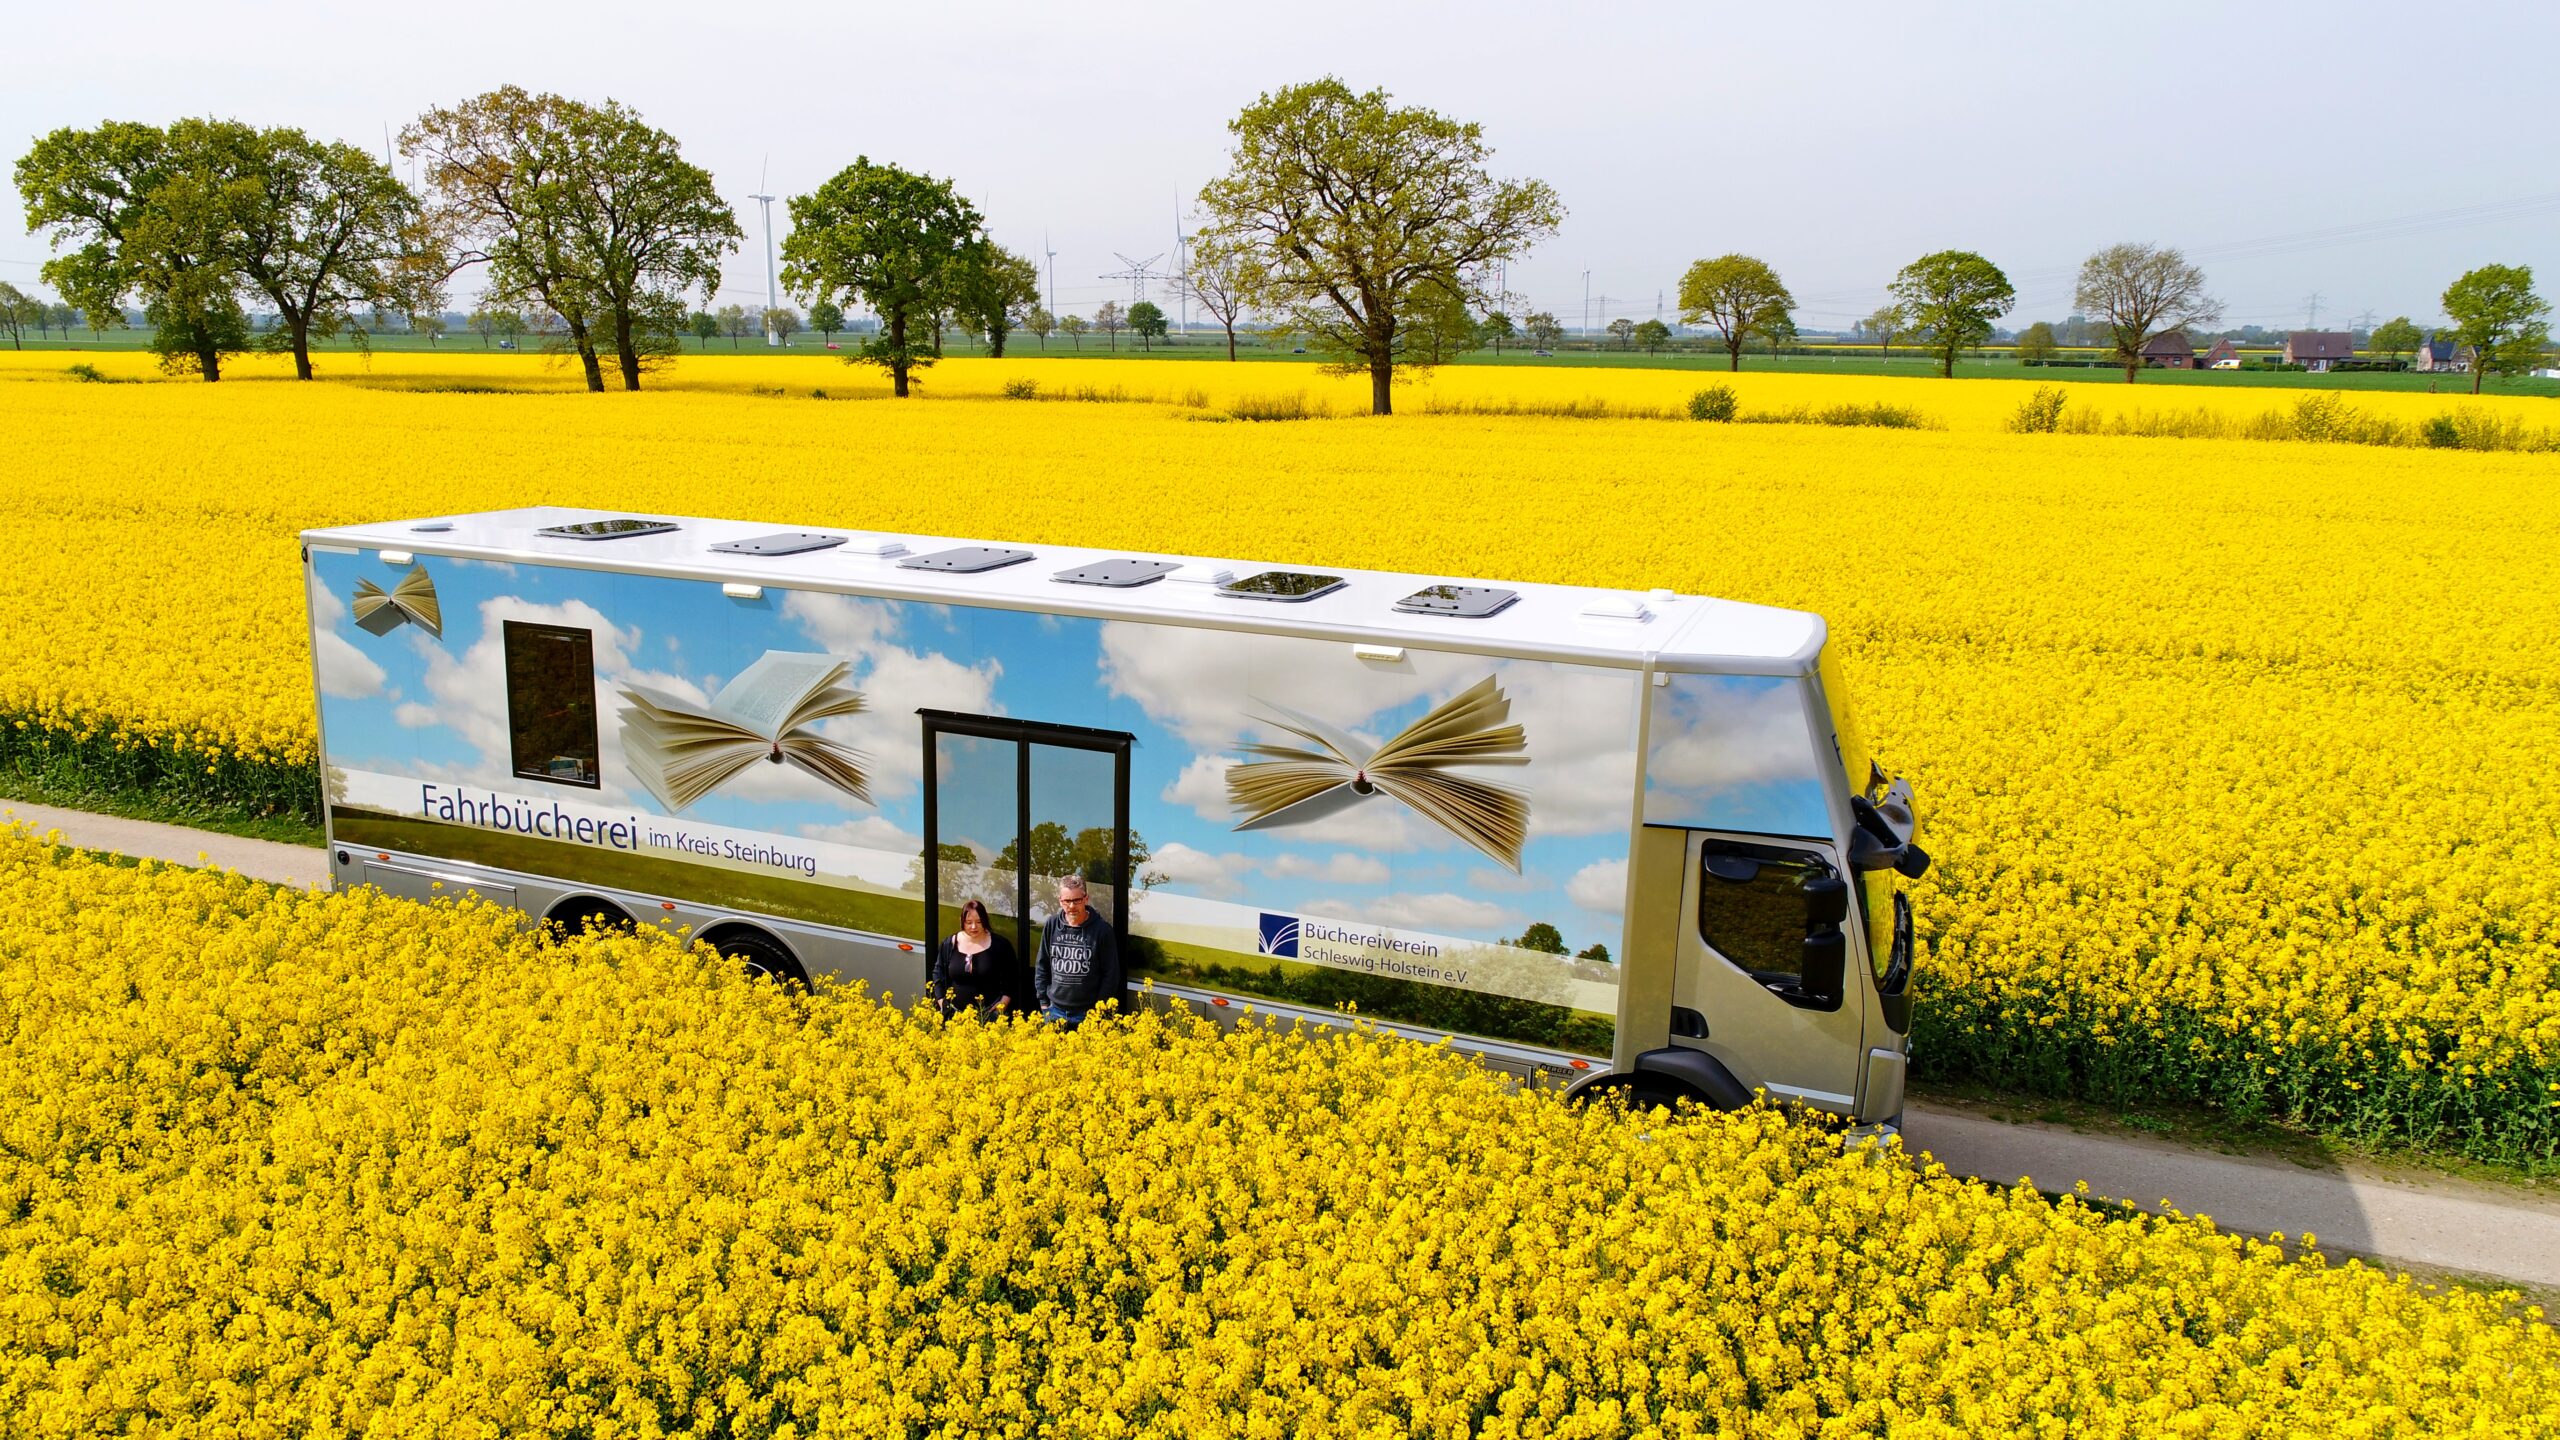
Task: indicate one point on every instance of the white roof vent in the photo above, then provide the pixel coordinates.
(1202, 575)
(883, 546)
(1625, 608)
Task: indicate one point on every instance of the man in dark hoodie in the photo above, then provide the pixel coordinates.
(1079, 964)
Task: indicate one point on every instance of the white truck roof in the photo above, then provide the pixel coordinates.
(1570, 622)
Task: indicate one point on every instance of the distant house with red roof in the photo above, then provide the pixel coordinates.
(2318, 349)
(2170, 350)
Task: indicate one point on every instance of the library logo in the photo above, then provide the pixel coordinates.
(1279, 936)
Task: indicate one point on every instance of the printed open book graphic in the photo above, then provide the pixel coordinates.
(379, 612)
(681, 751)
(1290, 785)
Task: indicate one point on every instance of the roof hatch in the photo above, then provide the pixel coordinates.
(1286, 586)
(790, 542)
(1466, 602)
(1118, 574)
(967, 560)
(606, 529)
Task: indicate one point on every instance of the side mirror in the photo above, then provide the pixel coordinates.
(1826, 901)
(1826, 959)
(1884, 834)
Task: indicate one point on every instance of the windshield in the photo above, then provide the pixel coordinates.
(1875, 887)
(1846, 738)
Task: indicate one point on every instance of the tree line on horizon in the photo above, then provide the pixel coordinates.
(1374, 230)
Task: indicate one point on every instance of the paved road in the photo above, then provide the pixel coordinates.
(2352, 1208)
(303, 865)
(2442, 1224)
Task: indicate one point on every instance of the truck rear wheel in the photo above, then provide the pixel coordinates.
(760, 953)
(581, 913)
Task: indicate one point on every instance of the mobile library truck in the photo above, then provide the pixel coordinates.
(1592, 837)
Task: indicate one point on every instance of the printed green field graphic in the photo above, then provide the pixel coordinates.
(898, 916)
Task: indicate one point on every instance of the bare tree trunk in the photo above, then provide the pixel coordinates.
(898, 353)
(1733, 354)
(2477, 369)
(1382, 384)
(1231, 343)
(301, 345)
(587, 356)
(623, 351)
(209, 364)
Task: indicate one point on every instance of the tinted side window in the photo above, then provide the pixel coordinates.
(551, 703)
(1752, 912)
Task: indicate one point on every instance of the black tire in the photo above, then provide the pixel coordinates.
(581, 913)
(761, 954)
(1639, 1091)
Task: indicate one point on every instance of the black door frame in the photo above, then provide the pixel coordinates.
(1024, 734)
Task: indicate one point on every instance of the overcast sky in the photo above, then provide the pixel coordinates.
(2363, 152)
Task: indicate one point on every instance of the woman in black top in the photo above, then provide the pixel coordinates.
(976, 967)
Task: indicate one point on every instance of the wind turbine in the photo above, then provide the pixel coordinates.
(1181, 268)
(1053, 271)
(772, 298)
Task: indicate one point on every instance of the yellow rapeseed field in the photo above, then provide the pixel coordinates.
(1061, 374)
(283, 1165)
(2232, 753)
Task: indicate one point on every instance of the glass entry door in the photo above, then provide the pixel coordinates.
(1012, 807)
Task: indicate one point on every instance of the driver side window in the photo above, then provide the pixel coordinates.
(1752, 911)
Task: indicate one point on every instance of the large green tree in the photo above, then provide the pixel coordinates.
(502, 174)
(1954, 295)
(320, 228)
(643, 227)
(2137, 292)
(143, 214)
(895, 241)
(2496, 314)
(1345, 209)
(995, 291)
(1741, 297)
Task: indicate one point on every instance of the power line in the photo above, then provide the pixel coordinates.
(1138, 274)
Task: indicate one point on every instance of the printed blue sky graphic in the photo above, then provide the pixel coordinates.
(407, 703)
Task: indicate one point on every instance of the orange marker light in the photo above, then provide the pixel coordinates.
(1581, 1064)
